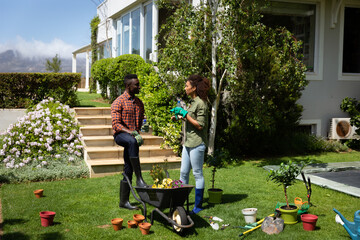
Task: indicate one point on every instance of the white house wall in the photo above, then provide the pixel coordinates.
(322, 98)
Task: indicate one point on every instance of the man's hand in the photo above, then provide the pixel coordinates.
(179, 111)
(138, 137)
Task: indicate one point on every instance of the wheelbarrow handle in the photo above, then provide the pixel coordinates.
(134, 194)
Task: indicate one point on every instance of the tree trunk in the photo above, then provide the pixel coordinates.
(215, 104)
(286, 197)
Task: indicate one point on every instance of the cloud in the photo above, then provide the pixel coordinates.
(37, 48)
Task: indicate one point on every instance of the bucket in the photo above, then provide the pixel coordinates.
(47, 218)
(249, 215)
(309, 221)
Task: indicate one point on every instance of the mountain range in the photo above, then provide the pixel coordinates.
(14, 61)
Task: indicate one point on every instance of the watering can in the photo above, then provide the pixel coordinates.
(353, 228)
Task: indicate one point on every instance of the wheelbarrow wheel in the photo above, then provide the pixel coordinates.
(180, 217)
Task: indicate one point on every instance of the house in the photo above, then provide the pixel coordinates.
(330, 31)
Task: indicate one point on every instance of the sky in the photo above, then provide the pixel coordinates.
(45, 27)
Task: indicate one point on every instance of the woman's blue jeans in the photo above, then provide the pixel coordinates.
(193, 158)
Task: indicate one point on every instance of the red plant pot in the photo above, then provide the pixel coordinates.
(47, 218)
(309, 221)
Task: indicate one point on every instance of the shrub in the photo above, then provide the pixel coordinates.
(23, 89)
(158, 101)
(352, 107)
(110, 73)
(54, 170)
(47, 131)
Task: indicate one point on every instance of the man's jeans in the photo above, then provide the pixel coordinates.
(131, 149)
(193, 158)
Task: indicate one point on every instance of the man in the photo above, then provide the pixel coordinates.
(127, 113)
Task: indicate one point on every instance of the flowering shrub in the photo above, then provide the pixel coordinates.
(167, 183)
(47, 131)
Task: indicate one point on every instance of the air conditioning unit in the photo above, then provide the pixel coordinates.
(340, 128)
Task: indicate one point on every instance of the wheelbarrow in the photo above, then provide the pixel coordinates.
(163, 198)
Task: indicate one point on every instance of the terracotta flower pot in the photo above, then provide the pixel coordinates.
(132, 224)
(144, 227)
(309, 221)
(39, 193)
(117, 223)
(47, 218)
(138, 218)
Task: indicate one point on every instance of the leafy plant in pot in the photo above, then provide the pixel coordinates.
(215, 161)
(285, 176)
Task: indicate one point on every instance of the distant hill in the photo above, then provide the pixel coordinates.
(13, 61)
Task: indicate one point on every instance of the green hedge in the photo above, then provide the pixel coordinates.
(19, 90)
(110, 73)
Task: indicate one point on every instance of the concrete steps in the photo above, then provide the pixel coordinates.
(104, 157)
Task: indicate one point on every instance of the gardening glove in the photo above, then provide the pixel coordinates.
(179, 111)
(138, 137)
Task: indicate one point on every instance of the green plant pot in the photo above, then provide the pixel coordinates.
(215, 195)
(289, 216)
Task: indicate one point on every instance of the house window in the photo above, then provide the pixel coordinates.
(105, 50)
(135, 32)
(148, 31)
(129, 35)
(118, 38)
(126, 34)
(351, 46)
(300, 20)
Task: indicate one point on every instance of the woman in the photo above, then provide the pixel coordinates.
(196, 128)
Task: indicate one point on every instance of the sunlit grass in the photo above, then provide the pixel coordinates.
(91, 100)
(85, 207)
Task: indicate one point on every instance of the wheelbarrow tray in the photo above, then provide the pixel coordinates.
(165, 197)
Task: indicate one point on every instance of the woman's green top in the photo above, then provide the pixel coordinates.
(198, 110)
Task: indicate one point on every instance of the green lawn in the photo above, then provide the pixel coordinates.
(91, 100)
(85, 207)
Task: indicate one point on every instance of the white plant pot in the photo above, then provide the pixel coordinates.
(249, 215)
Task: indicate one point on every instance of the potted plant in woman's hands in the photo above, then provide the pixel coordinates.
(215, 161)
(285, 176)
